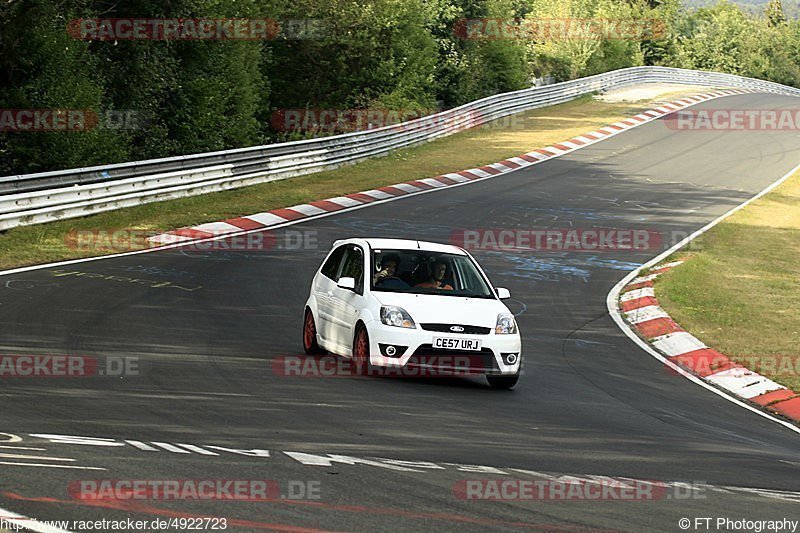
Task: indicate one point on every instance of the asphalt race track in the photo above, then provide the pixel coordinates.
(589, 403)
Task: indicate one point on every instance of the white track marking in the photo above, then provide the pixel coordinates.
(406, 187)
(668, 265)
(678, 343)
(643, 279)
(743, 382)
(267, 219)
(638, 293)
(432, 182)
(378, 195)
(344, 201)
(141, 445)
(170, 447)
(216, 228)
(643, 314)
(44, 465)
(196, 449)
(308, 210)
(37, 457)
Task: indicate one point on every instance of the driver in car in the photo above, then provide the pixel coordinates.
(436, 280)
(386, 275)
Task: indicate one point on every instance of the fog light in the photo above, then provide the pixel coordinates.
(510, 358)
(392, 350)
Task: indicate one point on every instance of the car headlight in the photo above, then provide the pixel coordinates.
(506, 324)
(396, 316)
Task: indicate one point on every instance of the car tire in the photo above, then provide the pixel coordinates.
(361, 357)
(310, 344)
(499, 381)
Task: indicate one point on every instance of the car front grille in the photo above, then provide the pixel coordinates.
(477, 361)
(445, 328)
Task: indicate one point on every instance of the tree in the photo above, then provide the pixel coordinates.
(42, 67)
(774, 13)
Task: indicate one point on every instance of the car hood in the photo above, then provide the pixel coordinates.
(431, 308)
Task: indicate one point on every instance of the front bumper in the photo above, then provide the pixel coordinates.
(413, 351)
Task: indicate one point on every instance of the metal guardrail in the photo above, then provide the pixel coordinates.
(35, 198)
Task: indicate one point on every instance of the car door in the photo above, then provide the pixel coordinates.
(346, 304)
(324, 284)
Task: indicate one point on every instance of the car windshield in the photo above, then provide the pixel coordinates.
(424, 272)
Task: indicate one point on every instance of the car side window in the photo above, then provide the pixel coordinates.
(331, 267)
(354, 267)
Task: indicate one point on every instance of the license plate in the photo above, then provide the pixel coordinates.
(450, 343)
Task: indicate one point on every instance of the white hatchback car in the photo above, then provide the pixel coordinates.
(414, 306)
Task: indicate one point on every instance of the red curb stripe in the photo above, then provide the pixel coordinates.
(704, 362)
(245, 223)
(628, 122)
(491, 170)
(467, 174)
(561, 147)
(445, 180)
(640, 285)
(363, 198)
(528, 158)
(789, 408)
(325, 205)
(774, 396)
(420, 184)
(637, 119)
(192, 233)
(630, 305)
(593, 135)
(510, 164)
(657, 327)
(392, 190)
(288, 214)
(618, 128)
(577, 141)
(545, 152)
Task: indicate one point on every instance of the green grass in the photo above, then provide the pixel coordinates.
(490, 143)
(740, 294)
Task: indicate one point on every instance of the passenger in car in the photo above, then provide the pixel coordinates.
(436, 279)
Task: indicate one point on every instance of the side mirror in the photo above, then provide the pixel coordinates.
(347, 283)
(503, 293)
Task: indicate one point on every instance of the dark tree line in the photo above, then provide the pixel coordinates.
(189, 96)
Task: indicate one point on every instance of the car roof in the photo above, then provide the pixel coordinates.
(407, 244)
